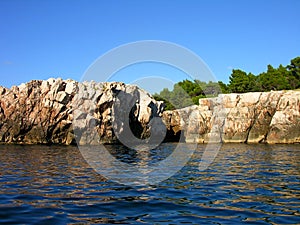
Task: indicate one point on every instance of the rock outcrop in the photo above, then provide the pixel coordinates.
(260, 117)
(57, 111)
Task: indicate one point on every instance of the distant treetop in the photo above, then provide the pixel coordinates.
(187, 92)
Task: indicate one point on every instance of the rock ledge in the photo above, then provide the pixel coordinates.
(49, 111)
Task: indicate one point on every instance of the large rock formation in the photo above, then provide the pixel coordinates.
(67, 112)
(261, 117)
(46, 112)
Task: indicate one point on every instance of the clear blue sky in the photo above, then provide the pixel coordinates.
(61, 38)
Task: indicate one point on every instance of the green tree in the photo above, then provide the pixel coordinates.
(224, 87)
(189, 92)
(274, 79)
(179, 97)
(192, 88)
(239, 81)
(175, 99)
(168, 105)
(165, 95)
(252, 83)
(294, 69)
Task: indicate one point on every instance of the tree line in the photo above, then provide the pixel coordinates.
(187, 92)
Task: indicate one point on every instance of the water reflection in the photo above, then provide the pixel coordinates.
(245, 184)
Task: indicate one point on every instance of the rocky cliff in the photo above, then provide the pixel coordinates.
(261, 117)
(57, 111)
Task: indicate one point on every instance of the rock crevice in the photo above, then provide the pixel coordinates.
(42, 112)
(57, 111)
(259, 117)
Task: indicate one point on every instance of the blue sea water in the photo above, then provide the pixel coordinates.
(246, 184)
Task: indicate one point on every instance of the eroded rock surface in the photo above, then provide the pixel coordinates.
(46, 112)
(261, 117)
(68, 112)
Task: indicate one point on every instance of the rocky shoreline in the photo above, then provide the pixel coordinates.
(258, 117)
(57, 111)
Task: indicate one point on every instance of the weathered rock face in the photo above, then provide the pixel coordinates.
(45, 112)
(67, 112)
(268, 117)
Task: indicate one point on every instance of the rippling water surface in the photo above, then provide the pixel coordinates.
(251, 184)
